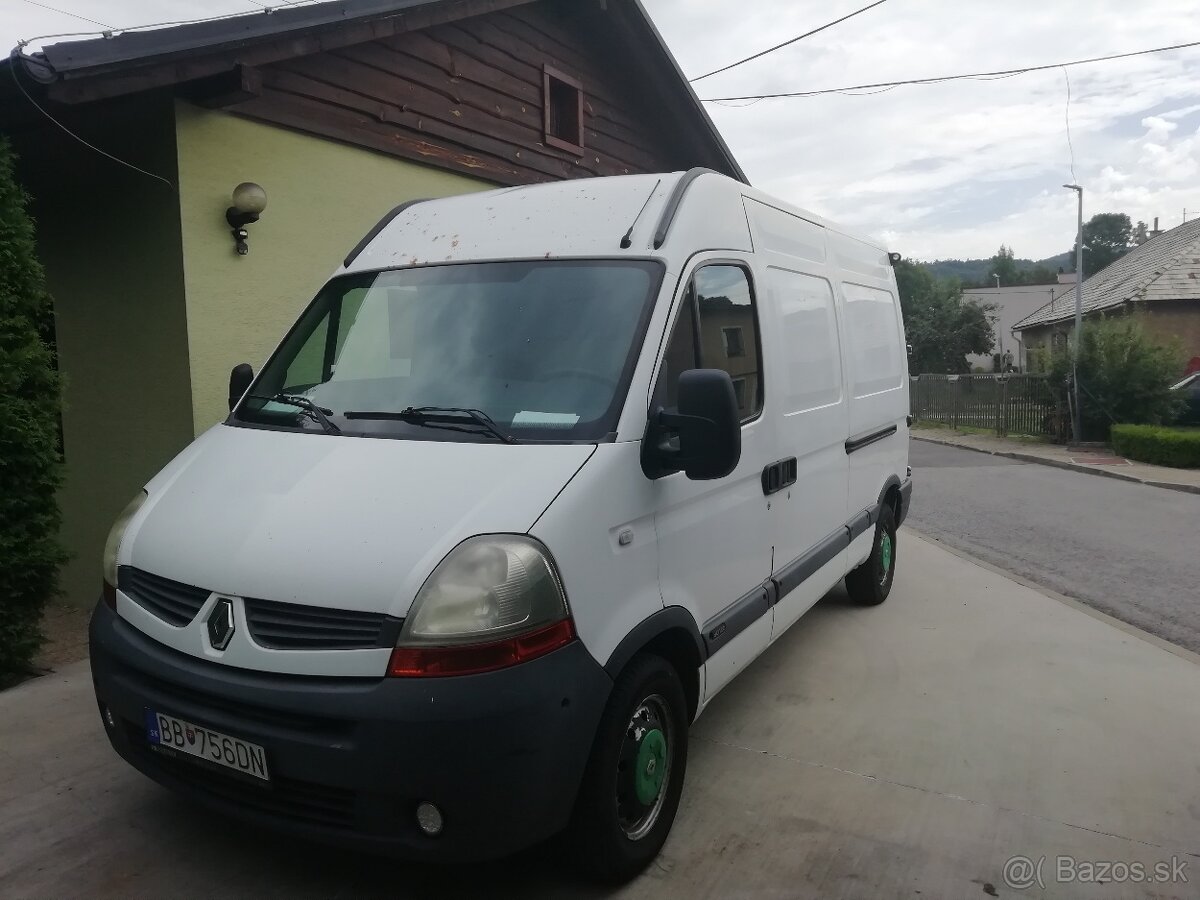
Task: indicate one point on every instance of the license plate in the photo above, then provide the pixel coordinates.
(204, 743)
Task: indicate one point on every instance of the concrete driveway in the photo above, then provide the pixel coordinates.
(898, 752)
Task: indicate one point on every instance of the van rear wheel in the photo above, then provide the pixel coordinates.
(634, 777)
(870, 583)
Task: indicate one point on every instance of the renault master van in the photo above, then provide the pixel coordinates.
(537, 473)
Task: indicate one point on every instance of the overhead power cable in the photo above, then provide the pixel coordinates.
(787, 43)
(13, 66)
(1002, 73)
(63, 12)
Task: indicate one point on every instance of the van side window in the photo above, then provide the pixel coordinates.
(729, 337)
(680, 355)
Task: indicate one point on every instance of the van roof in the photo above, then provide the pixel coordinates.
(615, 216)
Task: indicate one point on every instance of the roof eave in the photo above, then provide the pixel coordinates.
(734, 168)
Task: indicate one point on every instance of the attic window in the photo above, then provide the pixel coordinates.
(562, 102)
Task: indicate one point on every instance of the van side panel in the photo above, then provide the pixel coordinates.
(611, 586)
(806, 402)
(877, 373)
(710, 218)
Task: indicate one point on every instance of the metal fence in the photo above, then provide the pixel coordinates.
(1006, 404)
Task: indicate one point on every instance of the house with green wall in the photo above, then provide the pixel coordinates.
(131, 144)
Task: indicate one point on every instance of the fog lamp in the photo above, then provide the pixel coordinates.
(429, 819)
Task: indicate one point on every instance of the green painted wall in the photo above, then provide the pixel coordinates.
(323, 196)
(110, 242)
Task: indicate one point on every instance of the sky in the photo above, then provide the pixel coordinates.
(937, 171)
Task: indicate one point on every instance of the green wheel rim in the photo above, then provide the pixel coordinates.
(651, 766)
(885, 554)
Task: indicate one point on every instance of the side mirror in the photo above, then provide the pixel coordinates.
(240, 380)
(703, 437)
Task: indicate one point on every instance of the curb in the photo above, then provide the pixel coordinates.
(1059, 464)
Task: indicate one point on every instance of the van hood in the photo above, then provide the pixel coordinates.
(334, 521)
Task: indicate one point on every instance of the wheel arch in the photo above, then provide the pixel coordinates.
(890, 494)
(671, 633)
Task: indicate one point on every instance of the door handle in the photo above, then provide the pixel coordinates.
(779, 475)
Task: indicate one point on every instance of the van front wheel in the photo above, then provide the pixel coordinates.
(634, 778)
(870, 583)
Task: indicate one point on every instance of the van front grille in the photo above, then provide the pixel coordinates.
(276, 626)
(292, 626)
(174, 603)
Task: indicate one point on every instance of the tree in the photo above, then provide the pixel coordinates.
(941, 328)
(1125, 376)
(30, 554)
(1039, 274)
(1106, 238)
(1004, 264)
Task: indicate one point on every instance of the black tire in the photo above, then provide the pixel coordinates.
(870, 583)
(613, 836)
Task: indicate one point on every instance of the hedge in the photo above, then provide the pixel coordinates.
(30, 469)
(1178, 447)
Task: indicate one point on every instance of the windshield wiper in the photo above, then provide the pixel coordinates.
(440, 417)
(318, 413)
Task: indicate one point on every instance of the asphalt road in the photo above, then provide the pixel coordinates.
(1126, 549)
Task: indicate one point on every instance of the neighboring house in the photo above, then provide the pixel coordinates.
(1160, 278)
(341, 111)
(1012, 304)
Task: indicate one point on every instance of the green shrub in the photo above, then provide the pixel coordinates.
(1125, 375)
(30, 554)
(1178, 447)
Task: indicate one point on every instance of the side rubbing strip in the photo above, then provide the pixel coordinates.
(859, 524)
(800, 570)
(869, 437)
(735, 619)
(379, 226)
(673, 204)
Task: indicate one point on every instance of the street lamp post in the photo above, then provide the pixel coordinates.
(1076, 419)
(999, 329)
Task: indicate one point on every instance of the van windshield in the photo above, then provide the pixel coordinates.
(544, 349)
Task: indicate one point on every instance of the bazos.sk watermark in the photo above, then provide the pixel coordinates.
(1024, 872)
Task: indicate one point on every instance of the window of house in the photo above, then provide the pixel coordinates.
(562, 104)
(739, 391)
(733, 341)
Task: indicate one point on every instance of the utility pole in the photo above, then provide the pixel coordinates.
(999, 329)
(1076, 419)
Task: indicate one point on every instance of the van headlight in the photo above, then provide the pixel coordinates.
(493, 602)
(115, 534)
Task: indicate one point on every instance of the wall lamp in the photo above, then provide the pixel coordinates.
(249, 200)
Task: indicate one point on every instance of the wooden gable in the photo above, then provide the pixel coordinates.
(471, 96)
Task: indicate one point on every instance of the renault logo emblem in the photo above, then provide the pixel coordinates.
(220, 624)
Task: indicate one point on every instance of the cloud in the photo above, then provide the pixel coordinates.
(954, 169)
(1158, 128)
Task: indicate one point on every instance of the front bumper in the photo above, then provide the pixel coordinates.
(905, 500)
(501, 754)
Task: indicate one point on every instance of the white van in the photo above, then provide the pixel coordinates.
(535, 475)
